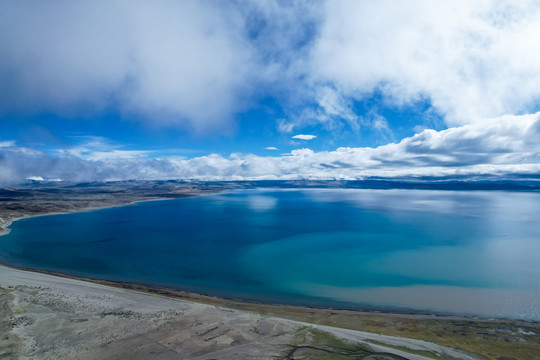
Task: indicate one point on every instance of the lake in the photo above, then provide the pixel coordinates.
(425, 251)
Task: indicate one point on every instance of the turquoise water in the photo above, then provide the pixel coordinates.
(448, 252)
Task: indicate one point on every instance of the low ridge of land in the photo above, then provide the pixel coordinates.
(18, 202)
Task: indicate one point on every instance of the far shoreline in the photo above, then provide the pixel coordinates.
(6, 223)
(149, 194)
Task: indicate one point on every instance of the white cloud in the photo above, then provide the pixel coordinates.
(165, 61)
(99, 148)
(11, 147)
(472, 59)
(304, 137)
(507, 146)
(118, 154)
(271, 148)
(332, 111)
(284, 125)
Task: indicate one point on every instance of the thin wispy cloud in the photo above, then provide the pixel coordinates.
(9, 143)
(99, 148)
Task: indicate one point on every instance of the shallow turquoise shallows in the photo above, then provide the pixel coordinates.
(445, 252)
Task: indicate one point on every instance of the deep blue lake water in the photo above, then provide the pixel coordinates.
(448, 252)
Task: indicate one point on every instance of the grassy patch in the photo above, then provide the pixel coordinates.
(487, 339)
(425, 353)
(316, 344)
(323, 338)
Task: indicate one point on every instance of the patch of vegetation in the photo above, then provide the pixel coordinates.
(484, 339)
(316, 344)
(425, 353)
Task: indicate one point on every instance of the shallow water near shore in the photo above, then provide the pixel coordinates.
(447, 252)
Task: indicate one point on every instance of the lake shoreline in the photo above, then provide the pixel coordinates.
(239, 302)
(500, 336)
(5, 223)
(26, 201)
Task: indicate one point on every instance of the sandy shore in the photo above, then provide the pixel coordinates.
(49, 317)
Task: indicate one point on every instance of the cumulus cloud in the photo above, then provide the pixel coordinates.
(471, 59)
(172, 62)
(304, 137)
(188, 64)
(507, 146)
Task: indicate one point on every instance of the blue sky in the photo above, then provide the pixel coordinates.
(112, 90)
